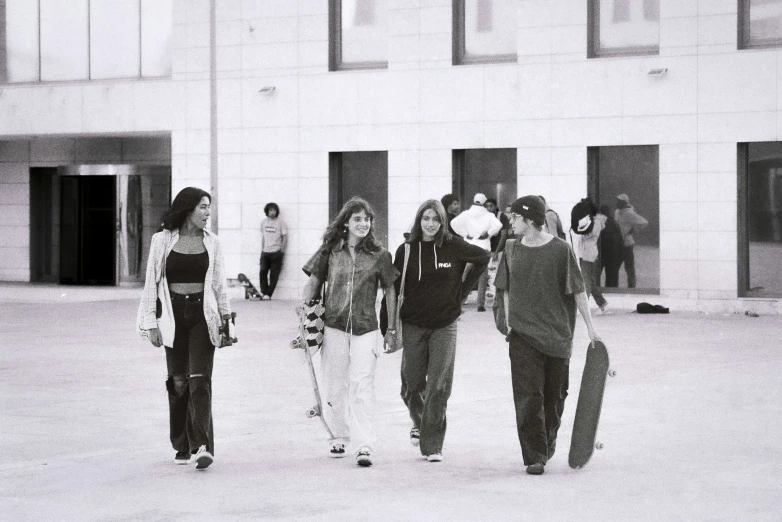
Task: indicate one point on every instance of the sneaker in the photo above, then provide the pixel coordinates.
(481, 309)
(435, 457)
(604, 308)
(415, 436)
(536, 469)
(203, 458)
(363, 458)
(337, 451)
(182, 458)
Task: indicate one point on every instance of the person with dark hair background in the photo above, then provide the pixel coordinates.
(432, 304)
(182, 309)
(611, 247)
(452, 207)
(274, 239)
(353, 264)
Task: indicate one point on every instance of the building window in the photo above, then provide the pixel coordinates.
(484, 31)
(362, 174)
(492, 172)
(760, 219)
(358, 34)
(624, 182)
(623, 27)
(51, 40)
(760, 23)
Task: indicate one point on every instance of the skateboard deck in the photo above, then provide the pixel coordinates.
(590, 401)
(250, 292)
(226, 339)
(491, 291)
(310, 339)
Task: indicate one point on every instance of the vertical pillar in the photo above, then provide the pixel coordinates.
(213, 113)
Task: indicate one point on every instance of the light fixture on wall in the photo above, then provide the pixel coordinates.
(268, 89)
(660, 71)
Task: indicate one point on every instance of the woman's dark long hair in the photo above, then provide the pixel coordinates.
(184, 203)
(417, 233)
(338, 229)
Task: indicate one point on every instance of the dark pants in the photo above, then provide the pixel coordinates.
(427, 374)
(189, 383)
(628, 258)
(540, 385)
(271, 265)
(612, 273)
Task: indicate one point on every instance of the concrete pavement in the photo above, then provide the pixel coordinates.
(690, 425)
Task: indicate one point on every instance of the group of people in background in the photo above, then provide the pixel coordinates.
(542, 280)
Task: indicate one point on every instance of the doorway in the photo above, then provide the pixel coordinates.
(88, 230)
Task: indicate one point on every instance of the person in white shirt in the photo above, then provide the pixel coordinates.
(477, 226)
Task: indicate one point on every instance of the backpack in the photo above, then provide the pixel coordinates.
(581, 221)
(560, 233)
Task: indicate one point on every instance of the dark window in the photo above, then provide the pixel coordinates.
(760, 23)
(625, 181)
(362, 174)
(491, 172)
(760, 219)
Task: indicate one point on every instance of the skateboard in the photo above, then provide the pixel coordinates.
(225, 331)
(590, 400)
(250, 292)
(310, 339)
(491, 291)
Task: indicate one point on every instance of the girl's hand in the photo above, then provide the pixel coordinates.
(154, 337)
(390, 343)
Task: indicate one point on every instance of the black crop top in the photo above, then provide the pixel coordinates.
(186, 268)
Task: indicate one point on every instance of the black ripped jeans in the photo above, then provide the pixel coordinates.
(189, 382)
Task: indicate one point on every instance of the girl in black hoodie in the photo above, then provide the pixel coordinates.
(432, 304)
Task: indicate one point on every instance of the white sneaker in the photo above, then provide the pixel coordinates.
(337, 451)
(203, 458)
(363, 457)
(415, 436)
(435, 457)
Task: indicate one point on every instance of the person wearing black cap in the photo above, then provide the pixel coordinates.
(540, 275)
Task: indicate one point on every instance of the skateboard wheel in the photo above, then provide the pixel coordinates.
(611, 372)
(599, 445)
(313, 412)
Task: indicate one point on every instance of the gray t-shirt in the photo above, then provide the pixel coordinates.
(542, 291)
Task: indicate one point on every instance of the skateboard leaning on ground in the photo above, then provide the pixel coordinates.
(250, 292)
(310, 339)
(590, 401)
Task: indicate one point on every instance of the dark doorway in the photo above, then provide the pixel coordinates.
(88, 230)
(44, 216)
(362, 174)
(491, 172)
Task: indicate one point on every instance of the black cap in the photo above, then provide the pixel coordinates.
(529, 206)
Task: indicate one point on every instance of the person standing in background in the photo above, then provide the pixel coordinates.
(629, 222)
(452, 208)
(274, 239)
(497, 244)
(610, 249)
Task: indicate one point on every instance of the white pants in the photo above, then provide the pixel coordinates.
(348, 366)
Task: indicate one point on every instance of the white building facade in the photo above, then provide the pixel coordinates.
(675, 103)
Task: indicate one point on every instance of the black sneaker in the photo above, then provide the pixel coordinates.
(536, 469)
(415, 436)
(182, 458)
(363, 458)
(481, 309)
(337, 451)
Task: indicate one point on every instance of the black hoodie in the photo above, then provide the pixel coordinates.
(433, 285)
